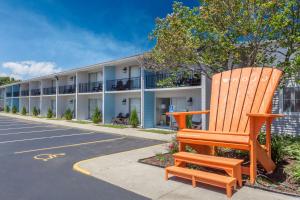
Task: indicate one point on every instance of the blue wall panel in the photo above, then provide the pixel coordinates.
(109, 110)
(149, 99)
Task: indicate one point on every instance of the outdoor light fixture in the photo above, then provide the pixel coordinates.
(124, 69)
(124, 102)
(190, 101)
(163, 106)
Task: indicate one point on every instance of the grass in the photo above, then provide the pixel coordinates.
(113, 126)
(80, 122)
(158, 131)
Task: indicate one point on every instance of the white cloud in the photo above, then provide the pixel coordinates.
(28, 69)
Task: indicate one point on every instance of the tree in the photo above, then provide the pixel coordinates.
(68, 114)
(134, 119)
(97, 117)
(7, 80)
(220, 35)
(49, 113)
(7, 109)
(35, 111)
(24, 111)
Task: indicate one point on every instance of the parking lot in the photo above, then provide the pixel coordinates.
(37, 159)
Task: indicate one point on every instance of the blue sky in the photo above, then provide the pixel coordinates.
(45, 36)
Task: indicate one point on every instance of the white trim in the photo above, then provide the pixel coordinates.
(173, 88)
(123, 91)
(90, 93)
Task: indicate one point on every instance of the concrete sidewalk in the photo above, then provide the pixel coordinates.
(123, 170)
(91, 127)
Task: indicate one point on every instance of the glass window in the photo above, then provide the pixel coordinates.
(291, 99)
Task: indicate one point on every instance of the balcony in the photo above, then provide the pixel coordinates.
(16, 93)
(49, 91)
(90, 87)
(25, 93)
(35, 92)
(123, 84)
(8, 94)
(67, 89)
(169, 80)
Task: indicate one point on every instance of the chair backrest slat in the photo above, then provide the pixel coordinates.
(238, 92)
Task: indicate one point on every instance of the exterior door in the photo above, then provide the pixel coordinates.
(135, 103)
(179, 104)
(93, 104)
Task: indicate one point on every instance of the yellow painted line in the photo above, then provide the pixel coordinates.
(70, 145)
(76, 166)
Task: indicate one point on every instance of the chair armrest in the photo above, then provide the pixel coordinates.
(188, 113)
(260, 115)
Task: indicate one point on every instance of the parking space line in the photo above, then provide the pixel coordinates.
(42, 138)
(70, 145)
(23, 132)
(25, 127)
(14, 124)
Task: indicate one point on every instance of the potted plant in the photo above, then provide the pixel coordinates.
(134, 119)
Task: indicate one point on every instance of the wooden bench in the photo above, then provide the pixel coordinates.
(203, 177)
(230, 165)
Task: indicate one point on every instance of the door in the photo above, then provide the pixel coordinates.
(93, 104)
(179, 104)
(162, 107)
(135, 103)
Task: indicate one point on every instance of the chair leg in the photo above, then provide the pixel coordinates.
(253, 162)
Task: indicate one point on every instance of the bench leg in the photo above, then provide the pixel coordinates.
(253, 162)
(239, 176)
(166, 175)
(193, 181)
(228, 191)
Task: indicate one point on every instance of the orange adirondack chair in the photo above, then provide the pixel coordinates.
(241, 102)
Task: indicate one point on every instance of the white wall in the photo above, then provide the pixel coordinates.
(83, 102)
(34, 102)
(46, 104)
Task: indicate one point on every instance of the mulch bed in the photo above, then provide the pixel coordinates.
(277, 182)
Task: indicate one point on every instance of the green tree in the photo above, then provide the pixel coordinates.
(68, 114)
(7, 80)
(97, 116)
(14, 110)
(224, 34)
(134, 119)
(24, 111)
(35, 111)
(49, 113)
(7, 109)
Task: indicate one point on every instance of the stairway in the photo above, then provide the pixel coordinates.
(230, 165)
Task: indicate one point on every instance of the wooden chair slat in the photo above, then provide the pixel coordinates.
(240, 98)
(224, 87)
(216, 79)
(250, 95)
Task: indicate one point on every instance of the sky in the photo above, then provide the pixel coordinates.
(39, 37)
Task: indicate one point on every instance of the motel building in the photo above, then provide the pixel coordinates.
(117, 87)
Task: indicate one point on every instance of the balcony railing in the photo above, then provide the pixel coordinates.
(90, 87)
(123, 84)
(35, 92)
(16, 93)
(168, 80)
(25, 93)
(67, 89)
(8, 94)
(49, 91)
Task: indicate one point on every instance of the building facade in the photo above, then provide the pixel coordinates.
(118, 87)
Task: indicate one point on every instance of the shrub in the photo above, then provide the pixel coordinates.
(7, 109)
(49, 113)
(35, 111)
(97, 116)
(173, 146)
(278, 144)
(68, 114)
(24, 111)
(14, 110)
(188, 121)
(134, 119)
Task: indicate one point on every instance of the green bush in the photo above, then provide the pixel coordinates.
(49, 113)
(188, 121)
(7, 109)
(24, 111)
(278, 144)
(97, 116)
(68, 114)
(35, 111)
(134, 119)
(14, 110)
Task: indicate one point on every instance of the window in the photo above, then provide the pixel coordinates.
(291, 99)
